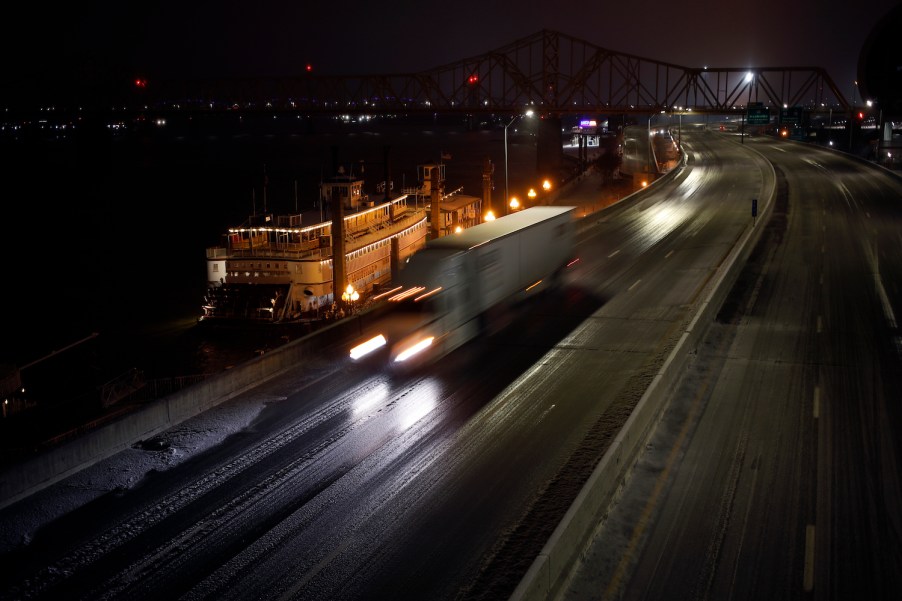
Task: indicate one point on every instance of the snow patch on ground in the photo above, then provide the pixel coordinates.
(19, 522)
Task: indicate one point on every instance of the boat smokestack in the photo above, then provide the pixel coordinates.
(435, 199)
(338, 246)
(387, 165)
(487, 171)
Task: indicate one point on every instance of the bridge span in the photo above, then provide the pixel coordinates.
(548, 71)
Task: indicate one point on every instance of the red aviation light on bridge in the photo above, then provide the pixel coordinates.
(140, 82)
(308, 68)
(473, 79)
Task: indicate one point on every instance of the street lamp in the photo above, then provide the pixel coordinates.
(680, 126)
(350, 296)
(515, 117)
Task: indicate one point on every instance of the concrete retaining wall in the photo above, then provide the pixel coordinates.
(21, 480)
(551, 569)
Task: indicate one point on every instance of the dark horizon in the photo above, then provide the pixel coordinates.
(96, 52)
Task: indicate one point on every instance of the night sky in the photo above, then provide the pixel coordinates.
(202, 38)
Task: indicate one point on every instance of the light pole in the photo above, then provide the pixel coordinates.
(515, 117)
(651, 149)
(350, 296)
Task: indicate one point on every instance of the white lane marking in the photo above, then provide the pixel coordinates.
(817, 402)
(808, 579)
(633, 286)
(884, 301)
(668, 254)
(613, 253)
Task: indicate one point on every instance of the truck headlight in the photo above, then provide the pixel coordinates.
(413, 350)
(365, 348)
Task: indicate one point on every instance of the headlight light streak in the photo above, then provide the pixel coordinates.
(413, 350)
(367, 347)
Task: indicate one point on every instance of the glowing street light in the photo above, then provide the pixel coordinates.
(531, 194)
(514, 204)
(546, 185)
(526, 114)
(350, 295)
(489, 216)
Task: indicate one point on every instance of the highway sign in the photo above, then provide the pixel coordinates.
(791, 115)
(757, 115)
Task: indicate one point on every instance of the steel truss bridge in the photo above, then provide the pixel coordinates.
(549, 72)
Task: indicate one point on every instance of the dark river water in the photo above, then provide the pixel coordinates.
(108, 230)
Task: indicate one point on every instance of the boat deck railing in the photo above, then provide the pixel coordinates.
(318, 249)
(376, 231)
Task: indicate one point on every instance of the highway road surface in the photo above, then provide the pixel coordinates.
(777, 471)
(348, 482)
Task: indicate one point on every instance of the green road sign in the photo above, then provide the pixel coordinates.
(757, 115)
(791, 115)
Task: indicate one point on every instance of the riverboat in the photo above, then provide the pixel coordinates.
(276, 268)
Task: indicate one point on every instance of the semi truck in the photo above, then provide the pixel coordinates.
(459, 285)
